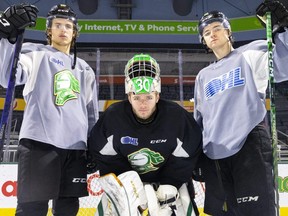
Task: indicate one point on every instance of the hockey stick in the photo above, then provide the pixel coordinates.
(10, 90)
(272, 106)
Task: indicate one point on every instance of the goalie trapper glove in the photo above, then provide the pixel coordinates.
(16, 18)
(279, 14)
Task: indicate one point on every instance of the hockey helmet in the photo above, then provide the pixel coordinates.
(61, 11)
(65, 12)
(210, 17)
(142, 75)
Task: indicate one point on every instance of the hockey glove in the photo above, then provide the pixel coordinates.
(91, 167)
(91, 164)
(15, 18)
(279, 14)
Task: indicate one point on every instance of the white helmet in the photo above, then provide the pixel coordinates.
(142, 75)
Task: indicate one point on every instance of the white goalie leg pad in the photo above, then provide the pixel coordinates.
(135, 192)
(105, 207)
(184, 201)
(163, 201)
(167, 196)
(153, 204)
(115, 192)
(168, 201)
(126, 193)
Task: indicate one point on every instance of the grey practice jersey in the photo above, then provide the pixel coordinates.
(61, 103)
(230, 95)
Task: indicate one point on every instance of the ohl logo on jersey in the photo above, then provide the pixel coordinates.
(56, 61)
(129, 140)
(226, 81)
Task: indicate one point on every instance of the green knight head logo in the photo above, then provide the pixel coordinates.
(65, 87)
(144, 160)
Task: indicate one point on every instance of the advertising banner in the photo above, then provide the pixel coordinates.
(8, 192)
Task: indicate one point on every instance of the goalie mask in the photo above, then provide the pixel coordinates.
(210, 17)
(142, 75)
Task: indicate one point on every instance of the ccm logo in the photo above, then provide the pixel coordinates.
(247, 199)
(158, 141)
(9, 188)
(79, 180)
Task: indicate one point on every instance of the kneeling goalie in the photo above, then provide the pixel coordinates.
(145, 148)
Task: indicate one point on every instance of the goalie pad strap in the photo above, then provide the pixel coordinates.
(171, 200)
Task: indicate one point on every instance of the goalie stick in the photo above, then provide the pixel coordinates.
(271, 85)
(10, 90)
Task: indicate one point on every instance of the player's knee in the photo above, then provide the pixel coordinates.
(32, 208)
(65, 206)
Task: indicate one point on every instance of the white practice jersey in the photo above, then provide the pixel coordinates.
(61, 103)
(230, 95)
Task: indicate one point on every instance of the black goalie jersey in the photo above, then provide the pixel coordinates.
(164, 151)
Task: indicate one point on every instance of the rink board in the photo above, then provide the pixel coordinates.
(8, 186)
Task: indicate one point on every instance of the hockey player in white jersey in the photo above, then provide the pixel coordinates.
(230, 107)
(61, 108)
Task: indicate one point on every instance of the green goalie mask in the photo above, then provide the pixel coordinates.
(142, 75)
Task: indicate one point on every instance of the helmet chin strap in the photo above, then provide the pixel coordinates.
(75, 53)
